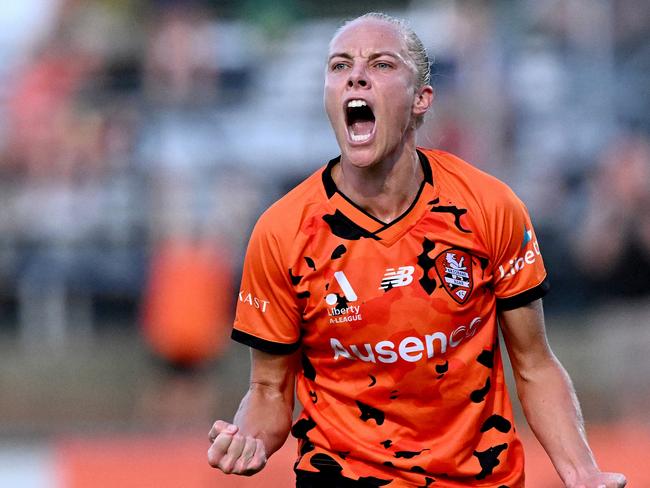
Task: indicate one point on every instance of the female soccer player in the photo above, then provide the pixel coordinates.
(374, 290)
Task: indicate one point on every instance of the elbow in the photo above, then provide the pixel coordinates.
(538, 369)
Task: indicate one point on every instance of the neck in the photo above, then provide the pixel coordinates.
(384, 189)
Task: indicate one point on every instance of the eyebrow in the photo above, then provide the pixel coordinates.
(374, 55)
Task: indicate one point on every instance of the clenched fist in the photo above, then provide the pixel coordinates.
(233, 452)
(602, 480)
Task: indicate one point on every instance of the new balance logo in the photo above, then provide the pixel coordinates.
(403, 276)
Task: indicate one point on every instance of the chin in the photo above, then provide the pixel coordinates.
(361, 157)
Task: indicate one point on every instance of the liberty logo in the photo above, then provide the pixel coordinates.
(515, 265)
(343, 282)
(341, 311)
(403, 276)
(454, 268)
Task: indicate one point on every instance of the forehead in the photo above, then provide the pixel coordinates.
(368, 35)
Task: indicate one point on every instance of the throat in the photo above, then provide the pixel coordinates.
(387, 210)
(385, 199)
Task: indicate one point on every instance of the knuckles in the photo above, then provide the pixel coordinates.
(213, 458)
(220, 458)
(227, 465)
(219, 425)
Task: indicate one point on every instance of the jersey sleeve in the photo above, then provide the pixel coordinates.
(267, 316)
(519, 273)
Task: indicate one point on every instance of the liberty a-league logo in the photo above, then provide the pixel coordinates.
(454, 267)
(346, 288)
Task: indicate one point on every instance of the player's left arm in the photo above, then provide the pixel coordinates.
(549, 401)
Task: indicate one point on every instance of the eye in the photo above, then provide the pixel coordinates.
(338, 66)
(383, 65)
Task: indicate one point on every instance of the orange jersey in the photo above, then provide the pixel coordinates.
(402, 381)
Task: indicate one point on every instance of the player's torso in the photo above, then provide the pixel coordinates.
(400, 343)
(369, 293)
(413, 310)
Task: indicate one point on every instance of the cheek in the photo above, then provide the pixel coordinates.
(330, 101)
(403, 99)
(401, 113)
(329, 108)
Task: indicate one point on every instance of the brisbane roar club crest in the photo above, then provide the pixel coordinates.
(454, 267)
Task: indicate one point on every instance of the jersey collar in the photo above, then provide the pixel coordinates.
(370, 226)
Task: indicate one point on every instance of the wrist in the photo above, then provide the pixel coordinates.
(265, 414)
(574, 476)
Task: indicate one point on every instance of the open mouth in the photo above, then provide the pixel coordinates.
(360, 120)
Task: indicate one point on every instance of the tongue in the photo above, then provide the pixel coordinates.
(362, 127)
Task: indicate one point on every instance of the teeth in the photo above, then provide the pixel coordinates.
(357, 103)
(360, 137)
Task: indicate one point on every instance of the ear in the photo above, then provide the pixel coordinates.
(423, 100)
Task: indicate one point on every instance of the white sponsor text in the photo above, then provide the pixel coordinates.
(514, 266)
(410, 349)
(253, 301)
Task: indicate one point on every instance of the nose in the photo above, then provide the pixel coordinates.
(358, 78)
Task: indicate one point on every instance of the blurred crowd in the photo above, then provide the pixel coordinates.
(139, 140)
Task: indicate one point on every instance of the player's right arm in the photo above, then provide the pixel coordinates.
(263, 420)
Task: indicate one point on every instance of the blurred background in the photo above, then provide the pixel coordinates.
(140, 140)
